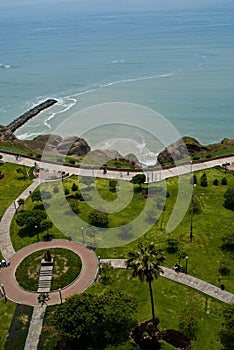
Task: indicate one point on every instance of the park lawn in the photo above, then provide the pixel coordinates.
(11, 186)
(209, 226)
(171, 300)
(6, 314)
(172, 303)
(67, 267)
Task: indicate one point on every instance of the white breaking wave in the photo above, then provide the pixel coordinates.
(117, 61)
(5, 66)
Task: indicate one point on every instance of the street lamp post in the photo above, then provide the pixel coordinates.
(4, 292)
(60, 295)
(82, 231)
(191, 216)
(36, 228)
(186, 265)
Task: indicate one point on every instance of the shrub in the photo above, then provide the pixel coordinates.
(228, 242)
(74, 187)
(224, 268)
(56, 189)
(172, 246)
(203, 181)
(224, 181)
(66, 191)
(229, 198)
(98, 218)
(216, 182)
(196, 158)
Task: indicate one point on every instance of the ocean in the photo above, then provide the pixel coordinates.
(176, 62)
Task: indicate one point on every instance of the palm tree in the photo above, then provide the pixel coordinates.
(145, 263)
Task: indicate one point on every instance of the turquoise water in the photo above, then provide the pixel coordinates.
(176, 62)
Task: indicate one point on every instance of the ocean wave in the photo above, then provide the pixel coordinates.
(116, 61)
(5, 66)
(66, 103)
(28, 135)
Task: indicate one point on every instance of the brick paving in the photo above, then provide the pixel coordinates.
(88, 272)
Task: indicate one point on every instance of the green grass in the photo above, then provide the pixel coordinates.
(11, 186)
(6, 315)
(209, 226)
(19, 328)
(67, 266)
(171, 299)
(204, 252)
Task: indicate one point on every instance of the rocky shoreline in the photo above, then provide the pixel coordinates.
(24, 118)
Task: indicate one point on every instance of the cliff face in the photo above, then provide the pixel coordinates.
(71, 146)
(190, 146)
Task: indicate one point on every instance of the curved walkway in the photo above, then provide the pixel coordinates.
(187, 280)
(6, 247)
(88, 273)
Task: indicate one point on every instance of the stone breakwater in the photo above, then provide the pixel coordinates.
(21, 120)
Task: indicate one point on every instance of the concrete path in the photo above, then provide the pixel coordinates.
(35, 328)
(151, 175)
(190, 281)
(5, 239)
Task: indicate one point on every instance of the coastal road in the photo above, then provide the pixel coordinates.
(53, 170)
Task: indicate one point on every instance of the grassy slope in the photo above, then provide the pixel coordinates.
(6, 314)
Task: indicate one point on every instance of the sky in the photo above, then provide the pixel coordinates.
(101, 5)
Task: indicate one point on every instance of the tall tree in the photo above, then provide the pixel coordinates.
(89, 321)
(139, 179)
(145, 264)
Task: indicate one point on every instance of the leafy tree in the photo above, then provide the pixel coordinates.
(193, 180)
(55, 189)
(172, 246)
(227, 332)
(112, 185)
(30, 218)
(145, 264)
(89, 321)
(228, 242)
(229, 198)
(22, 171)
(74, 187)
(203, 181)
(98, 218)
(36, 196)
(66, 191)
(224, 181)
(181, 254)
(45, 226)
(138, 179)
(105, 270)
(224, 268)
(40, 196)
